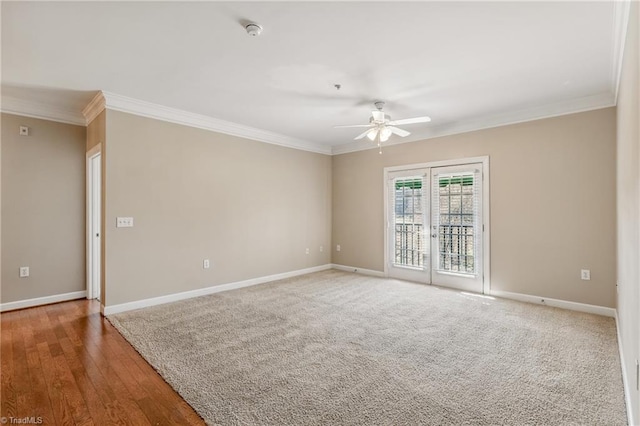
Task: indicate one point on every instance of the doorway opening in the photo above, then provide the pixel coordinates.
(94, 198)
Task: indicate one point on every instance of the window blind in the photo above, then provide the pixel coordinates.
(455, 203)
(409, 222)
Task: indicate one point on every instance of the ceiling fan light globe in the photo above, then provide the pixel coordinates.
(385, 133)
(371, 134)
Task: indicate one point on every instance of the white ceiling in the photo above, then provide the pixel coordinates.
(467, 65)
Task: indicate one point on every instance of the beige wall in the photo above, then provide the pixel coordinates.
(43, 208)
(250, 207)
(628, 191)
(552, 203)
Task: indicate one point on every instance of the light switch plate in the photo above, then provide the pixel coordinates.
(585, 274)
(124, 222)
(24, 131)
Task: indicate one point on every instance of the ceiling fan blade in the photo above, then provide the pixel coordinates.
(362, 135)
(377, 115)
(414, 120)
(353, 125)
(399, 132)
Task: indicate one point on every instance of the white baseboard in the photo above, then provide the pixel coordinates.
(358, 270)
(39, 301)
(625, 377)
(145, 303)
(556, 303)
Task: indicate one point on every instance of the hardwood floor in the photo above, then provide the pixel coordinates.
(67, 365)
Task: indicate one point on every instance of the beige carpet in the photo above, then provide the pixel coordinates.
(334, 348)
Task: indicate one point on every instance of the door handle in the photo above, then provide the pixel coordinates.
(434, 235)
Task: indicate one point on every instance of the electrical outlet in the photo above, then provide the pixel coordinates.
(306, 251)
(585, 274)
(124, 222)
(24, 131)
(321, 249)
(206, 264)
(338, 247)
(24, 271)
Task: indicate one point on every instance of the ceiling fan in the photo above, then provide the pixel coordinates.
(382, 127)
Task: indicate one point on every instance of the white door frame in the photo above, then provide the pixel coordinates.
(486, 238)
(93, 288)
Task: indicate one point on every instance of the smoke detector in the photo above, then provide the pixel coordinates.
(253, 30)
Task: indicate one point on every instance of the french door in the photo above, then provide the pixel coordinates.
(435, 225)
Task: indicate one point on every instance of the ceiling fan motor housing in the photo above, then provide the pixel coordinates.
(374, 121)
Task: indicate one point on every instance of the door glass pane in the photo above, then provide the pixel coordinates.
(409, 230)
(457, 218)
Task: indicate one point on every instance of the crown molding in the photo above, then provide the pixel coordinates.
(621, 11)
(13, 105)
(587, 103)
(94, 107)
(106, 100)
(121, 103)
